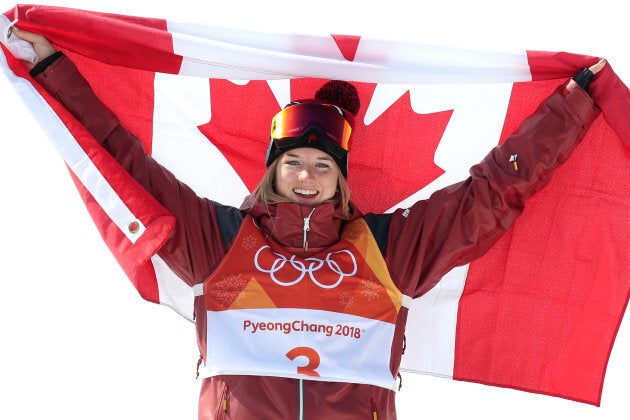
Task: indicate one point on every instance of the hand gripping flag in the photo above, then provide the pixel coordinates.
(539, 312)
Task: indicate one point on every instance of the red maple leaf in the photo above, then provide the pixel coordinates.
(393, 157)
(240, 124)
(390, 160)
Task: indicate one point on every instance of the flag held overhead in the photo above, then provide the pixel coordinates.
(554, 288)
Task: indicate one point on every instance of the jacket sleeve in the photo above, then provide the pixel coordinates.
(460, 223)
(196, 225)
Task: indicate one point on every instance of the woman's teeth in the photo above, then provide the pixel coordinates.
(304, 192)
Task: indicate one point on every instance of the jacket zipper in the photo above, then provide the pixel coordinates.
(301, 395)
(305, 229)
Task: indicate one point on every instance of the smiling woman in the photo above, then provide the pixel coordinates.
(269, 191)
(307, 176)
(124, 335)
(307, 157)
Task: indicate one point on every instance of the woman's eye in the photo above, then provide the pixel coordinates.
(291, 162)
(322, 165)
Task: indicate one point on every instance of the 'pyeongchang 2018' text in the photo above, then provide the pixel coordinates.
(302, 326)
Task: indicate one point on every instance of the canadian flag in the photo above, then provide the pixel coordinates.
(539, 312)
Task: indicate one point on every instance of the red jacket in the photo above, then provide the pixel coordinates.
(454, 226)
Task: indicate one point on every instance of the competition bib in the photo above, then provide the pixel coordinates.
(329, 316)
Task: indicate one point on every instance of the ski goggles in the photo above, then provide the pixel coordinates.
(290, 125)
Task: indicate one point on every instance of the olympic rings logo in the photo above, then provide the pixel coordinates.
(310, 267)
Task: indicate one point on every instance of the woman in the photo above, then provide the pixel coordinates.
(301, 304)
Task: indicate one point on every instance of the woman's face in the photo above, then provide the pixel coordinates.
(306, 175)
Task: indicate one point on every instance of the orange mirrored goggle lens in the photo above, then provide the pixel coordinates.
(294, 121)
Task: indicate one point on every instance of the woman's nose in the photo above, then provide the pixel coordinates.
(304, 174)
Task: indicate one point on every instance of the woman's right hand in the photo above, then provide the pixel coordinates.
(42, 46)
(595, 68)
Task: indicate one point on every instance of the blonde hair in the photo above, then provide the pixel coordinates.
(266, 193)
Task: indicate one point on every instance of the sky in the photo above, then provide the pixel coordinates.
(78, 345)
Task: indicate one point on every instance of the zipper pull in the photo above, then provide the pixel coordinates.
(514, 161)
(374, 412)
(225, 397)
(305, 229)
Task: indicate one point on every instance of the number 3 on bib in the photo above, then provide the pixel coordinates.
(311, 355)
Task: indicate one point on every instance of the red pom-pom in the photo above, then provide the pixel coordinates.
(340, 93)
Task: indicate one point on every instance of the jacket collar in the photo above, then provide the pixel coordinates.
(284, 222)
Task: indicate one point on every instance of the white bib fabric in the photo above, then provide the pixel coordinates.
(300, 343)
